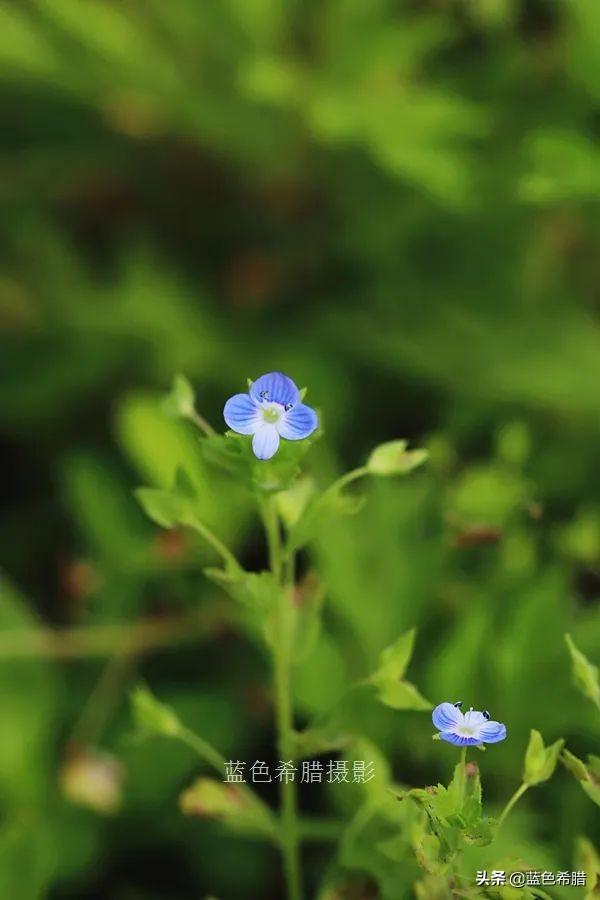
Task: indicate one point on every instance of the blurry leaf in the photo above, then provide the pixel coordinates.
(393, 458)
(228, 453)
(394, 660)
(255, 590)
(585, 675)
(319, 511)
(308, 600)
(580, 538)
(292, 503)
(93, 779)
(27, 857)
(564, 165)
(514, 443)
(540, 761)
(587, 860)
(391, 689)
(105, 512)
(587, 775)
(489, 494)
(29, 691)
(150, 716)
(181, 400)
(165, 508)
(160, 447)
(235, 808)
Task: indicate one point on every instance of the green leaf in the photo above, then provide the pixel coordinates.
(292, 503)
(540, 761)
(394, 660)
(255, 590)
(164, 507)
(587, 860)
(309, 597)
(181, 400)
(392, 690)
(232, 805)
(587, 775)
(392, 458)
(585, 675)
(320, 510)
(402, 695)
(228, 452)
(150, 716)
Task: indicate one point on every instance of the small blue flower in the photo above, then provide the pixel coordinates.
(271, 409)
(466, 729)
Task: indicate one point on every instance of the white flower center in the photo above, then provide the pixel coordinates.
(466, 731)
(271, 413)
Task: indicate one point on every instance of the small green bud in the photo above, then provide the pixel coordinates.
(151, 716)
(585, 674)
(392, 458)
(181, 400)
(540, 761)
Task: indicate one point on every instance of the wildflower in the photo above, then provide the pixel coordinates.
(466, 729)
(271, 409)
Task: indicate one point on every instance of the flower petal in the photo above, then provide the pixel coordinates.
(460, 740)
(474, 719)
(265, 441)
(298, 422)
(446, 716)
(242, 414)
(492, 732)
(277, 387)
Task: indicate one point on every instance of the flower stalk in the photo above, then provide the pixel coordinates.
(282, 653)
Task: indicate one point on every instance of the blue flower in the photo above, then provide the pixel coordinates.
(466, 729)
(271, 409)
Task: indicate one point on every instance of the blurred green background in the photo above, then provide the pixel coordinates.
(395, 202)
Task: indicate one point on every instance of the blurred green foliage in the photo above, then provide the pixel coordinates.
(397, 203)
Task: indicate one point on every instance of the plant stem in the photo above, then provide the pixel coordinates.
(198, 420)
(216, 543)
(463, 771)
(346, 479)
(283, 699)
(515, 797)
(204, 750)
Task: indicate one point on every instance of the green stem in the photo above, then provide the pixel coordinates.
(204, 750)
(463, 774)
(218, 762)
(216, 543)
(283, 699)
(346, 479)
(514, 799)
(201, 422)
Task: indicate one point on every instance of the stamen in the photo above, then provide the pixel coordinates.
(458, 704)
(288, 406)
(486, 714)
(264, 395)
